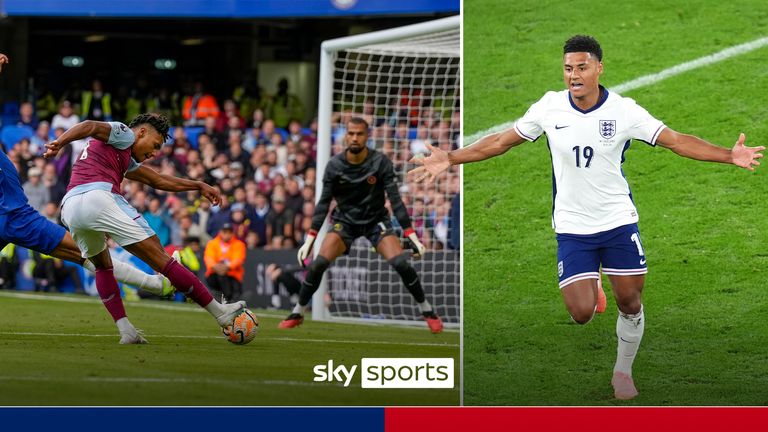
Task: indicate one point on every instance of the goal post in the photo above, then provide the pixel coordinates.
(406, 83)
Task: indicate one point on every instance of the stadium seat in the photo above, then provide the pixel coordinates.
(11, 108)
(12, 134)
(8, 119)
(306, 131)
(412, 133)
(192, 134)
(283, 133)
(170, 134)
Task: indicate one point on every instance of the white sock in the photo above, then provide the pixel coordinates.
(130, 275)
(299, 309)
(125, 326)
(214, 308)
(629, 330)
(425, 306)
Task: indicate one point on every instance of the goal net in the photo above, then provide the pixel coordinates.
(405, 82)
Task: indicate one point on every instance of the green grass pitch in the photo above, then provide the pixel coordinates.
(703, 225)
(63, 350)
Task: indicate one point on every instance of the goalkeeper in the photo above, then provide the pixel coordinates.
(358, 179)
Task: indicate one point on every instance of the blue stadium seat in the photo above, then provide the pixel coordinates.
(192, 134)
(12, 134)
(282, 132)
(11, 108)
(170, 133)
(306, 131)
(8, 119)
(412, 133)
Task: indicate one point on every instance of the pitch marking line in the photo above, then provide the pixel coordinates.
(184, 308)
(148, 380)
(651, 79)
(279, 339)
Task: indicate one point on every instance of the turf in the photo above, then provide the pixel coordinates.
(702, 224)
(58, 352)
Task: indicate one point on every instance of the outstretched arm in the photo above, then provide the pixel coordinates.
(88, 128)
(696, 148)
(165, 182)
(484, 148)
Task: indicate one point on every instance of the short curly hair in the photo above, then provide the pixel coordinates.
(157, 121)
(582, 43)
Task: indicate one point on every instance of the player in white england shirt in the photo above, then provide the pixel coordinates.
(588, 130)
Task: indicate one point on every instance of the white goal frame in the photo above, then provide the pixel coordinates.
(329, 50)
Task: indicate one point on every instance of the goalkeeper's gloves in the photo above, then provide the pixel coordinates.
(416, 246)
(306, 248)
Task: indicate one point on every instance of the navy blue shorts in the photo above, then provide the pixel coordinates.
(27, 228)
(619, 251)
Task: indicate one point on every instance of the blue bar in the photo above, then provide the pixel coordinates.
(225, 8)
(192, 419)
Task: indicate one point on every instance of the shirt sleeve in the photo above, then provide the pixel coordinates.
(393, 193)
(530, 125)
(642, 125)
(121, 136)
(322, 206)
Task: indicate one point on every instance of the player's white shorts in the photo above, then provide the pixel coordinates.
(91, 215)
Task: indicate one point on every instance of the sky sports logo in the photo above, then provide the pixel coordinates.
(390, 373)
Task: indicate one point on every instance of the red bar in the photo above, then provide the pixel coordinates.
(568, 419)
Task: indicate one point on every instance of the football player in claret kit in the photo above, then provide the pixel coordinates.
(23, 226)
(358, 179)
(94, 207)
(588, 130)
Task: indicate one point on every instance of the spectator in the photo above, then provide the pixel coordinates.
(235, 151)
(294, 201)
(51, 273)
(219, 216)
(284, 106)
(190, 229)
(159, 220)
(240, 223)
(224, 259)
(199, 106)
(248, 96)
(279, 220)
(201, 217)
(252, 240)
(96, 104)
(229, 112)
(257, 211)
(191, 254)
(295, 133)
(51, 212)
(40, 138)
(36, 191)
(27, 116)
(9, 265)
(419, 145)
(66, 117)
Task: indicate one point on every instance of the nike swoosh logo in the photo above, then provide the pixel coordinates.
(642, 262)
(561, 127)
(624, 340)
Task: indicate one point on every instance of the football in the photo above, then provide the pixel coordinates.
(243, 330)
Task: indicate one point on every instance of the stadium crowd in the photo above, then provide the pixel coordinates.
(253, 147)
